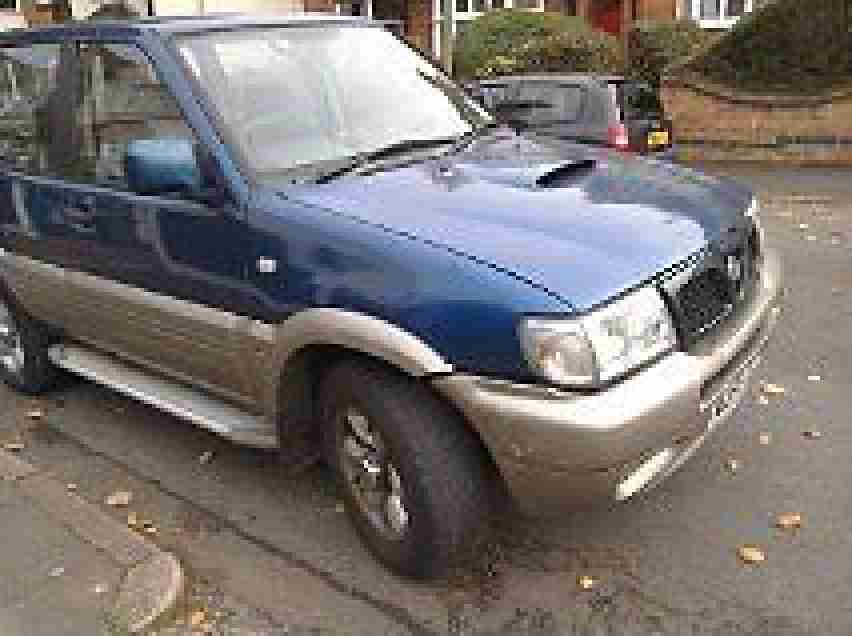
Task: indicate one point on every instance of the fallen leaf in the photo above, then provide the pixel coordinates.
(811, 237)
(733, 465)
(765, 438)
(35, 414)
(55, 572)
(132, 520)
(587, 582)
(751, 554)
(803, 226)
(100, 588)
(789, 521)
(148, 527)
(773, 389)
(119, 498)
(197, 617)
(205, 457)
(815, 378)
(340, 507)
(71, 487)
(811, 434)
(763, 400)
(13, 447)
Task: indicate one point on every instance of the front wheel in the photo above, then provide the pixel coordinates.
(415, 480)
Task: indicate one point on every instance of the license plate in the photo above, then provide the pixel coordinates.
(728, 397)
(658, 138)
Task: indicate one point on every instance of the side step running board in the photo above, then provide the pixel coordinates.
(178, 399)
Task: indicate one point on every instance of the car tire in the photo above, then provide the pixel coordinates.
(433, 506)
(24, 363)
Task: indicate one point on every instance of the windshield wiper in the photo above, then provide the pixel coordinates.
(363, 159)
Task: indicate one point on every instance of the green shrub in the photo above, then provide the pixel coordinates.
(655, 46)
(512, 41)
(788, 46)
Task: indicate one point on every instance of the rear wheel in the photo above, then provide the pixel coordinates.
(24, 363)
(414, 478)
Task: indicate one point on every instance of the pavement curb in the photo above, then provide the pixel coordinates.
(154, 578)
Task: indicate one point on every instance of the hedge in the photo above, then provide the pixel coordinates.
(656, 46)
(510, 41)
(787, 47)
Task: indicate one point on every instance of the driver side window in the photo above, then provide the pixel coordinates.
(117, 99)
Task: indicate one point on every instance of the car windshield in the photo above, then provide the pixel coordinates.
(298, 100)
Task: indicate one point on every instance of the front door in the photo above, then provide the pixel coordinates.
(157, 279)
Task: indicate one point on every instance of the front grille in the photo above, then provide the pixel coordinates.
(704, 302)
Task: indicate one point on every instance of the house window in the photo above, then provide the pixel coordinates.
(720, 14)
(463, 11)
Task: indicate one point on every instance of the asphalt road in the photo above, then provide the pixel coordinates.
(273, 545)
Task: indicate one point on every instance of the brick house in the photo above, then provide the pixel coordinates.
(420, 20)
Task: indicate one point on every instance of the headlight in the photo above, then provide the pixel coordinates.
(604, 344)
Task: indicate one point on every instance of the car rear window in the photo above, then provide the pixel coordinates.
(536, 103)
(636, 99)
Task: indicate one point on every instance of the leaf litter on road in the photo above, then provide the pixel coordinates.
(733, 465)
(811, 434)
(13, 447)
(751, 554)
(587, 582)
(119, 498)
(765, 439)
(789, 521)
(198, 617)
(769, 388)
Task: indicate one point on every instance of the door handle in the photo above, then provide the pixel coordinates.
(81, 216)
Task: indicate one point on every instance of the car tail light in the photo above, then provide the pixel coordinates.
(618, 137)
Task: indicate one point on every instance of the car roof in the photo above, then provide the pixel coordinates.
(587, 78)
(179, 25)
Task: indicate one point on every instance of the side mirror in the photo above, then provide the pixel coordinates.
(164, 166)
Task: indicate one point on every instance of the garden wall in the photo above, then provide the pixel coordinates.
(713, 123)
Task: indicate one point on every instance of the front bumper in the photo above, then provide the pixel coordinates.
(556, 448)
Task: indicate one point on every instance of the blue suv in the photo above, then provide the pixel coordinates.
(300, 234)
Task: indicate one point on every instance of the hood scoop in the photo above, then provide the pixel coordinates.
(564, 172)
(521, 174)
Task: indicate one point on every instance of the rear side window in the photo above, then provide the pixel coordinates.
(636, 100)
(27, 80)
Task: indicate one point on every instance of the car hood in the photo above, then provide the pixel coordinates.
(582, 224)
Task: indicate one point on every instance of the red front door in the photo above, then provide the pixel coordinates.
(606, 15)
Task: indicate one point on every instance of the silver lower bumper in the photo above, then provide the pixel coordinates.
(553, 446)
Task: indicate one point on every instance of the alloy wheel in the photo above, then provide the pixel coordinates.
(12, 355)
(371, 476)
